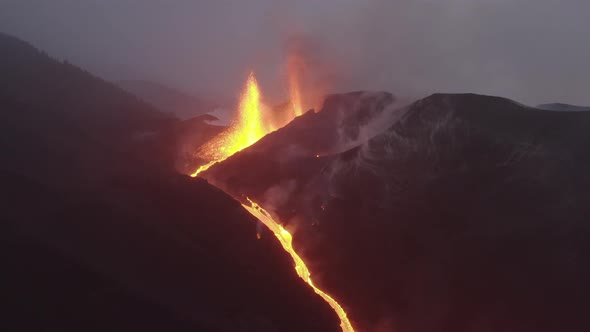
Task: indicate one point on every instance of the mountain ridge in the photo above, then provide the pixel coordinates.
(459, 207)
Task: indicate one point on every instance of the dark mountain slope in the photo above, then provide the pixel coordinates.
(186, 247)
(471, 210)
(167, 99)
(31, 77)
(96, 224)
(45, 290)
(469, 213)
(38, 92)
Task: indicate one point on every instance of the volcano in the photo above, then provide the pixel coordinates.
(457, 212)
(454, 213)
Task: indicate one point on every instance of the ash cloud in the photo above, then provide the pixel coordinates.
(533, 51)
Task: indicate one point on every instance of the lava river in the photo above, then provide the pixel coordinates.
(287, 242)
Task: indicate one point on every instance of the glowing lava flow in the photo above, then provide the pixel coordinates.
(287, 241)
(247, 130)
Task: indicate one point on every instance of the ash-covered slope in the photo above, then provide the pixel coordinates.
(99, 233)
(469, 213)
(344, 121)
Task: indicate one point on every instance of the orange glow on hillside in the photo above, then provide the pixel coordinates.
(287, 242)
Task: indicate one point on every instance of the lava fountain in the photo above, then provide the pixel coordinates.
(247, 130)
(295, 87)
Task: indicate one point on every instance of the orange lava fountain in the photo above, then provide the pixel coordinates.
(247, 130)
(295, 67)
(295, 90)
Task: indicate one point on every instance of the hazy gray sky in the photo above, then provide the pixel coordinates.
(533, 51)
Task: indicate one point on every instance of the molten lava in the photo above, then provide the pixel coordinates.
(250, 126)
(245, 131)
(287, 241)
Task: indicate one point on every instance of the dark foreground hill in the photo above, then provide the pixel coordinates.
(98, 232)
(466, 213)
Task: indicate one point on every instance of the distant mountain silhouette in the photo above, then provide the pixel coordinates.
(563, 107)
(168, 99)
(464, 213)
(99, 232)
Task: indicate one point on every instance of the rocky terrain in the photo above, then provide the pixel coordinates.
(465, 212)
